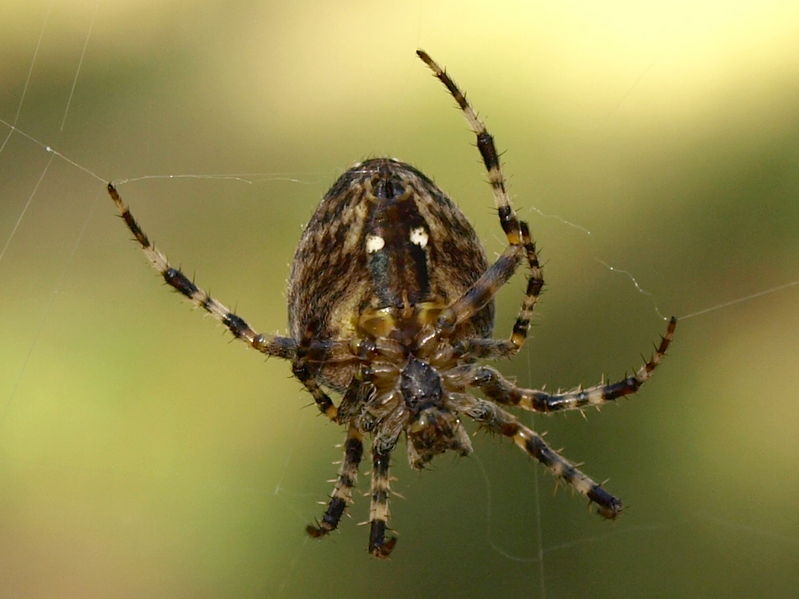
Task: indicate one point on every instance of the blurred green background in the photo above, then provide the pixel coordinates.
(142, 454)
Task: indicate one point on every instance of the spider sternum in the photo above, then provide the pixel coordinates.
(420, 385)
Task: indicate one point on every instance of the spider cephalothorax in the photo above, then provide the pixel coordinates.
(391, 305)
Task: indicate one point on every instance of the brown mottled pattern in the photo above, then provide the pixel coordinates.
(330, 282)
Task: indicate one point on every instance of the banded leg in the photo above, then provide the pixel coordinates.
(517, 232)
(498, 420)
(341, 496)
(379, 545)
(535, 282)
(271, 345)
(306, 367)
(322, 399)
(481, 292)
(499, 389)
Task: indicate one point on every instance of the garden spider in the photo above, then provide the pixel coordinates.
(391, 305)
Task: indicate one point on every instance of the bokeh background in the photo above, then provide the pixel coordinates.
(143, 454)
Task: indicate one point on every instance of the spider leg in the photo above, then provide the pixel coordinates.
(271, 345)
(341, 496)
(535, 282)
(322, 399)
(517, 232)
(500, 390)
(379, 545)
(306, 366)
(481, 292)
(498, 420)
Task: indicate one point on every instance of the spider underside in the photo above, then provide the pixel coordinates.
(391, 306)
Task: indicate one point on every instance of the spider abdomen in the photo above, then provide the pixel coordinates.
(384, 238)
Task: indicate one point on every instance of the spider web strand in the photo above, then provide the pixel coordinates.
(740, 300)
(25, 208)
(30, 74)
(80, 65)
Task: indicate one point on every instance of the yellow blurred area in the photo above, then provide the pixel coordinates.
(144, 454)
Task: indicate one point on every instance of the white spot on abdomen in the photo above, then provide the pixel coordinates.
(419, 237)
(374, 243)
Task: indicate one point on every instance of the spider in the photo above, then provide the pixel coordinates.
(390, 305)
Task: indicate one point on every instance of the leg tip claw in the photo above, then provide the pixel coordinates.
(383, 550)
(316, 531)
